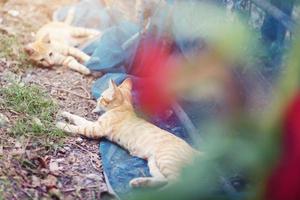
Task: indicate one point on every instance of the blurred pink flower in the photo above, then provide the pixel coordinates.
(151, 64)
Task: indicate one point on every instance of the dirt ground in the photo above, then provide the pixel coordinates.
(71, 170)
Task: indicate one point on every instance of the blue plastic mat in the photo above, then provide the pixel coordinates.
(109, 53)
(120, 167)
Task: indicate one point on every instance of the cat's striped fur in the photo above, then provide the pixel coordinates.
(166, 153)
(55, 44)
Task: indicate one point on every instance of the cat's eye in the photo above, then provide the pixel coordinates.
(50, 54)
(42, 60)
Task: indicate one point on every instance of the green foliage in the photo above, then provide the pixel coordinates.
(1, 194)
(287, 87)
(12, 50)
(37, 110)
(3, 183)
(231, 38)
(228, 149)
(247, 142)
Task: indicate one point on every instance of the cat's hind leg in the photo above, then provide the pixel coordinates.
(158, 179)
(65, 50)
(73, 64)
(70, 62)
(77, 53)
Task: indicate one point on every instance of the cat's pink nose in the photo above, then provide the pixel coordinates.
(50, 63)
(28, 50)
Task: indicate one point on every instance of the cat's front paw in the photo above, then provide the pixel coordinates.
(61, 125)
(64, 114)
(69, 128)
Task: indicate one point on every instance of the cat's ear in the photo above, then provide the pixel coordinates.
(112, 85)
(29, 50)
(127, 83)
(46, 39)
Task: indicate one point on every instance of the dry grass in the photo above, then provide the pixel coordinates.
(36, 110)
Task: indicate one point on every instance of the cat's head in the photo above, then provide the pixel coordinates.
(115, 96)
(41, 51)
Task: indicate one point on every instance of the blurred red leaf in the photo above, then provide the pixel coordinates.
(284, 183)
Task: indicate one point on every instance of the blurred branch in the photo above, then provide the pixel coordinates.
(283, 18)
(187, 122)
(287, 88)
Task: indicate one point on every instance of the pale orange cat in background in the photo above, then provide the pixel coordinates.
(166, 154)
(55, 44)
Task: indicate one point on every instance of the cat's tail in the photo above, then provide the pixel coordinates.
(70, 16)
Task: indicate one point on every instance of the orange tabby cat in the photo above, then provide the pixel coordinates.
(55, 45)
(166, 154)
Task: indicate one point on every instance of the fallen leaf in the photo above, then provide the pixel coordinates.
(50, 181)
(18, 144)
(95, 177)
(3, 120)
(37, 121)
(1, 150)
(79, 140)
(54, 167)
(55, 193)
(17, 152)
(36, 182)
